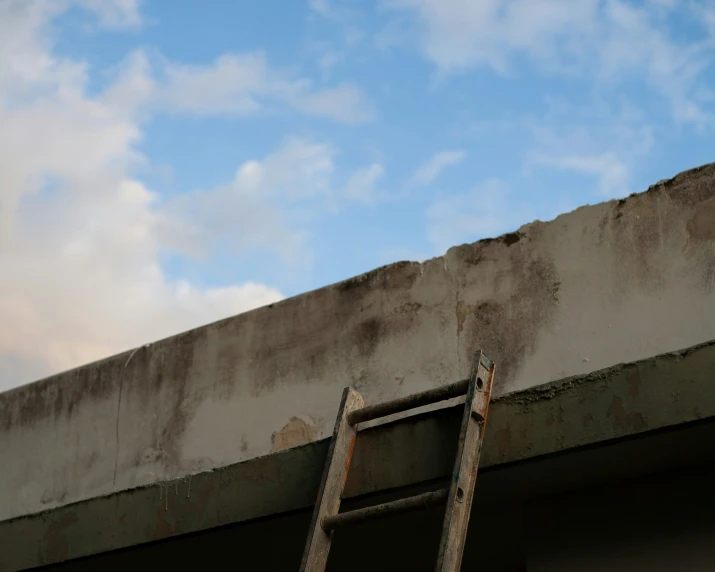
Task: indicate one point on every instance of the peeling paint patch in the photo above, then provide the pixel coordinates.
(634, 381)
(625, 420)
(461, 312)
(298, 431)
(407, 308)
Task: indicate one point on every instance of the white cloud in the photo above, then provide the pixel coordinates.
(268, 204)
(458, 35)
(80, 235)
(252, 212)
(244, 84)
(233, 84)
(344, 103)
(593, 142)
(344, 14)
(610, 40)
(230, 85)
(707, 15)
(361, 186)
(114, 13)
(427, 173)
(28, 68)
(329, 59)
(322, 7)
(346, 20)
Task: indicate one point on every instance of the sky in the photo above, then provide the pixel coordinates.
(167, 163)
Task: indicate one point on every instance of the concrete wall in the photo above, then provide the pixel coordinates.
(614, 282)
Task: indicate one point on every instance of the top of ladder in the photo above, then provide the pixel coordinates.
(458, 496)
(416, 400)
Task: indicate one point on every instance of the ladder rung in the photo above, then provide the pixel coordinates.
(410, 402)
(386, 509)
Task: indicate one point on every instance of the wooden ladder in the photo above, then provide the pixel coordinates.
(326, 516)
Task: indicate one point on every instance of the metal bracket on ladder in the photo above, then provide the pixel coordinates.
(326, 516)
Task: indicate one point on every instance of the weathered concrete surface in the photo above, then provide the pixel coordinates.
(569, 415)
(613, 282)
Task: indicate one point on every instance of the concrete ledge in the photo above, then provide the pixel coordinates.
(619, 402)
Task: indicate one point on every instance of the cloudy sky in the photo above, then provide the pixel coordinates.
(164, 164)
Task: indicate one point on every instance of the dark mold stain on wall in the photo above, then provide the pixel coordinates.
(162, 387)
(643, 231)
(397, 276)
(57, 396)
(298, 342)
(688, 188)
(506, 324)
(625, 420)
(367, 336)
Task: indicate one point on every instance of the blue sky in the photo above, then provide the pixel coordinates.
(164, 164)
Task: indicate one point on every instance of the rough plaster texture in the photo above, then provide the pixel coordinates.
(613, 282)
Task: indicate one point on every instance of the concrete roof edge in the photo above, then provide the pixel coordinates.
(610, 404)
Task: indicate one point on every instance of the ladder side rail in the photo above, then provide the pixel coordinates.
(337, 464)
(464, 477)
